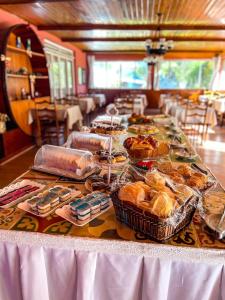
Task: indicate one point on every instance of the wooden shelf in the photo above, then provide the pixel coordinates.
(17, 75)
(41, 77)
(20, 50)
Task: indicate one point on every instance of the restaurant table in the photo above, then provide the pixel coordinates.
(72, 112)
(50, 258)
(87, 104)
(136, 105)
(99, 99)
(178, 112)
(219, 105)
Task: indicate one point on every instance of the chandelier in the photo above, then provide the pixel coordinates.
(157, 48)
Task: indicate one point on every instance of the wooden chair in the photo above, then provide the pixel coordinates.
(195, 122)
(48, 125)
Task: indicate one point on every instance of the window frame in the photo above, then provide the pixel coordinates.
(120, 75)
(52, 51)
(187, 59)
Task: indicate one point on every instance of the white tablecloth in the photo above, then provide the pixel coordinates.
(179, 113)
(87, 104)
(99, 99)
(73, 114)
(37, 266)
(219, 105)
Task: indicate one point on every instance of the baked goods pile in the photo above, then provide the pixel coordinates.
(115, 157)
(86, 208)
(47, 200)
(108, 129)
(145, 147)
(184, 174)
(140, 119)
(63, 161)
(88, 141)
(152, 196)
(18, 191)
(143, 129)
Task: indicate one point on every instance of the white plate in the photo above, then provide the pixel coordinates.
(65, 213)
(19, 184)
(26, 207)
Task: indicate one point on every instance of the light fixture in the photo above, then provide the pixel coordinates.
(156, 49)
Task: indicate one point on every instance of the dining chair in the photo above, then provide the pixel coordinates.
(49, 128)
(195, 122)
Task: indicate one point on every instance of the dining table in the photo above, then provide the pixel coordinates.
(87, 104)
(50, 258)
(178, 110)
(70, 112)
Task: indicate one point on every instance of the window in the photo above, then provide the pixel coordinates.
(185, 74)
(61, 69)
(120, 74)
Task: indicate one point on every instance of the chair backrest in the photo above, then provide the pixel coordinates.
(197, 112)
(45, 113)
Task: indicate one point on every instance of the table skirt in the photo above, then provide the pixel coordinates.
(37, 266)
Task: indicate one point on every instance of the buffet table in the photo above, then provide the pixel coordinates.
(51, 252)
(50, 258)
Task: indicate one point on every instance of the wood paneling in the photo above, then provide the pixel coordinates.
(193, 24)
(15, 140)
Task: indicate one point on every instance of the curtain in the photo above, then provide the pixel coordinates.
(91, 60)
(156, 76)
(215, 83)
(149, 79)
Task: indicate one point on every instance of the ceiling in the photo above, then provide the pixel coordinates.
(123, 25)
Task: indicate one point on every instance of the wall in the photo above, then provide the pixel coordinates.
(80, 56)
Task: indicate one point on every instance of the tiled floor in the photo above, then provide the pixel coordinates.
(212, 153)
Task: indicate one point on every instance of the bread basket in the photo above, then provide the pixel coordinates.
(151, 226)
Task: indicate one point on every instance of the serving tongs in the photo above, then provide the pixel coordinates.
(221, 220)
(196, 166)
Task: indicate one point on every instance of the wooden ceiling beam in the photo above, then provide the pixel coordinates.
(144, 52)
(88, 26)
(141, 39)
(10, 2)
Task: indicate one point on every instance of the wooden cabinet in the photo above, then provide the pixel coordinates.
(21, 69)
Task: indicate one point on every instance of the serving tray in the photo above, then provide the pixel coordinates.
(25, 206)
(65, 213)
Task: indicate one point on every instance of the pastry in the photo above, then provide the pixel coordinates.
(17, 191)
(197, 180)
(132, 193)
(145, 147)
(154, 179)
(163, 205)
(108, 129)
(115, 157)
(140, 119)
(185, 170)
(143, 129)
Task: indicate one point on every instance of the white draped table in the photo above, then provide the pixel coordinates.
(219, 105)
(39, 266)
(72, 112)
(87, 104)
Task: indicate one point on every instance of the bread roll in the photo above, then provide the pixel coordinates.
(154, 179)
(132, 192)
(162, 205)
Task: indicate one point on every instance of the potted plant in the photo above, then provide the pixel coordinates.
(3, 119)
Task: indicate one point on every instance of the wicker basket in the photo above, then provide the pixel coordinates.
(150, 225)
